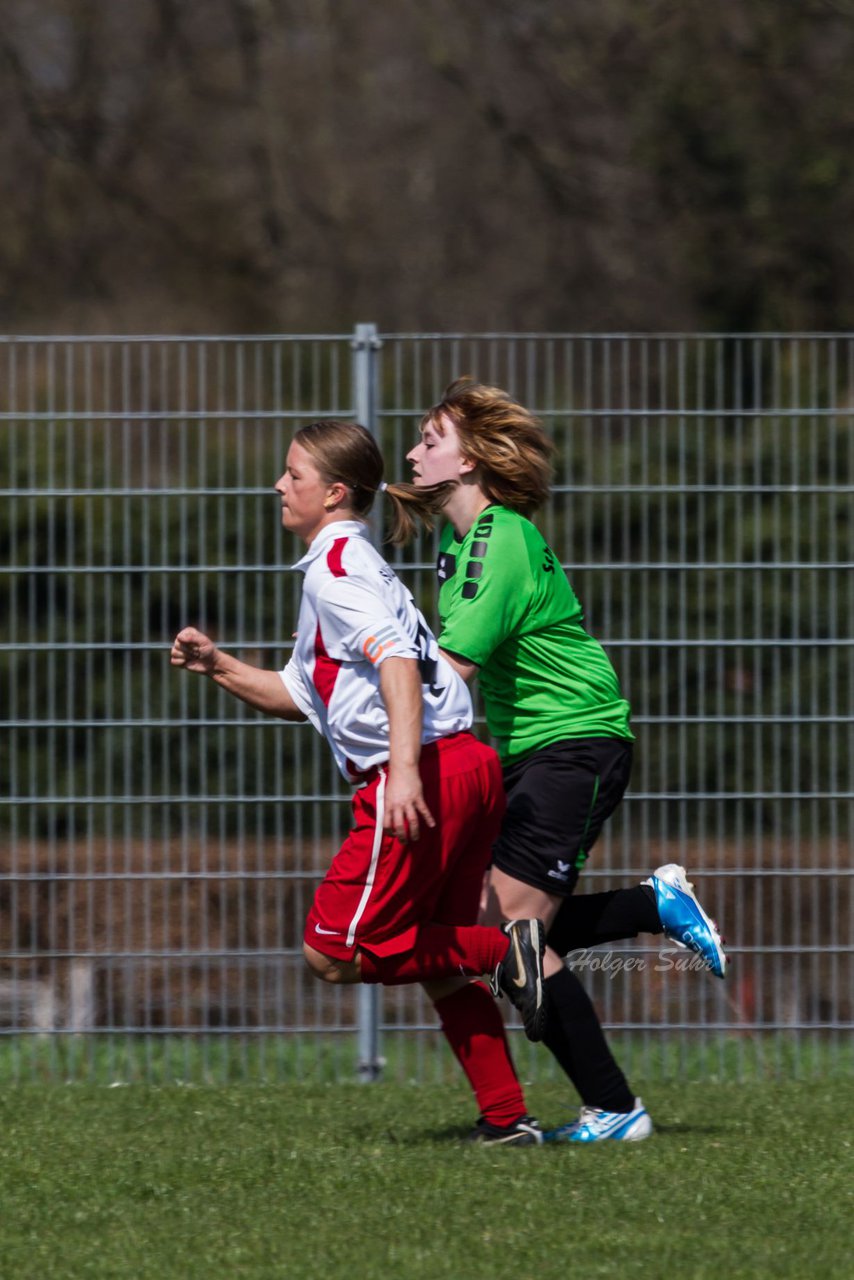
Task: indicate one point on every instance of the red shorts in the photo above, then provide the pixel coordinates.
(378, 890)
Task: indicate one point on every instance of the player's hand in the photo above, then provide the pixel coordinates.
(195, 651)
(405, 806)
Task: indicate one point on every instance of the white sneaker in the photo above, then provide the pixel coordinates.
(594, 1125)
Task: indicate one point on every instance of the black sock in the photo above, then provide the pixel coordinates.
(588, 919)
(576, 1039)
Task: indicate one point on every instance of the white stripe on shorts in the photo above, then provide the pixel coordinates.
(375, 857)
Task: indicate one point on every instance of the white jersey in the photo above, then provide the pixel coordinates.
(354, 614)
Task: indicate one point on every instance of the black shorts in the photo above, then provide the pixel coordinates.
(558, 799)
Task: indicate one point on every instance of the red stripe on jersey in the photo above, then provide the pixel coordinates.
(325, 668)
(333, 558)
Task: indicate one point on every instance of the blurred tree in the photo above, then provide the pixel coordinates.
(257, 165)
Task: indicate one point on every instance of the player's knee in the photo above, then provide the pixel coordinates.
(323, 967)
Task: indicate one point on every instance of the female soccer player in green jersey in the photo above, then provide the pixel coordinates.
(555, 709)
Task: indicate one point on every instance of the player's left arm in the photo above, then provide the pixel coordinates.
(405, 806)
(463, 667)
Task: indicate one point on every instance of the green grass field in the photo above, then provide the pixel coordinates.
(328, 1181)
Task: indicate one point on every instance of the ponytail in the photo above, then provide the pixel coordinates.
(411, 503)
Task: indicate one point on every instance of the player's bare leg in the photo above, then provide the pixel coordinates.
(329, 969)
(509, 899)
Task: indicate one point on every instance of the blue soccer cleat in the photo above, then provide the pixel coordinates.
(595, 1125)
(683, 919)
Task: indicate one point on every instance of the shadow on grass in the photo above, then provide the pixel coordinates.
(408, 1135)
(458, 1134)
(677, 1130)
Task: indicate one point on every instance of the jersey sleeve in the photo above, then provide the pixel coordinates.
(359, 625)
(488, 596)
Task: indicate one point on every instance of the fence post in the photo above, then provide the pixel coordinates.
(365, 346)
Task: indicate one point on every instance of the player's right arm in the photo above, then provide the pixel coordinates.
(264, 690)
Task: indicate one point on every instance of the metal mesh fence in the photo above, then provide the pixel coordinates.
(161, 842)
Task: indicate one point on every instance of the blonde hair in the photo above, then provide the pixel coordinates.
(411, 503)
(507, 442)
(345, 453)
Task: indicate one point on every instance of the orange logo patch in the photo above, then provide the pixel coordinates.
(375, 646)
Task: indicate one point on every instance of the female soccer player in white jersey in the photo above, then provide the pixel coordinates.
(554, 706)
(399, 902)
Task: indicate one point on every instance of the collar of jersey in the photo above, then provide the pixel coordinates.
(493, 506)
(329, 532)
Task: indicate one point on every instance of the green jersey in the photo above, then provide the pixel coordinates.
(506, 604)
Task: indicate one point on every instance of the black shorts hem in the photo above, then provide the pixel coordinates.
(557, 888)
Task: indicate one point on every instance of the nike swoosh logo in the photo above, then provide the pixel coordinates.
(335, 932)
(520, 963)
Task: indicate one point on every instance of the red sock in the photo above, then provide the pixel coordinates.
(440, 951)
(474, 1029)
